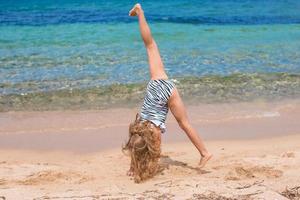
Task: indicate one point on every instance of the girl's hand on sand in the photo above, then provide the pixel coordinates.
(135, 10)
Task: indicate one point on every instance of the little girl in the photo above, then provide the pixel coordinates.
(145, 132)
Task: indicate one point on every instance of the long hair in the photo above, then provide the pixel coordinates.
(144, 149)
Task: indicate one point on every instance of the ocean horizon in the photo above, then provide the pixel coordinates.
(89, 54)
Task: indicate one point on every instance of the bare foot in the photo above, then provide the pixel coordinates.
(204, 160)
(135, 10)
(130, 172)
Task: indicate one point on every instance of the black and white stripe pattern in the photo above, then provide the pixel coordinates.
(155, 107)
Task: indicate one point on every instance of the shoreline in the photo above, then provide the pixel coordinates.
(215, 89)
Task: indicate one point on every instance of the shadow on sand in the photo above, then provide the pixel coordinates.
(166, 162)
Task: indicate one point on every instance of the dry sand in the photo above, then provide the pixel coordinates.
(40, 159)
(252, 169)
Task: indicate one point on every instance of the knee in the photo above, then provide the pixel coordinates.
(183, 123)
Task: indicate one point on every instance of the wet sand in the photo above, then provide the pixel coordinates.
(90, 131)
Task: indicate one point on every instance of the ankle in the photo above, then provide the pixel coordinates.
(139, 11)
(205, 153)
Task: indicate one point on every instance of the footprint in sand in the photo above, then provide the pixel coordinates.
(3, 181)
(50, 176)
(288, 154)
(245, 172)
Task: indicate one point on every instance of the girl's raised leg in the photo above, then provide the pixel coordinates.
(156, 66)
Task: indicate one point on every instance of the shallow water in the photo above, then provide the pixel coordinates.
(208, 89)
(49, 50)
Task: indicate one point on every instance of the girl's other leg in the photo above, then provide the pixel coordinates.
(178, 110)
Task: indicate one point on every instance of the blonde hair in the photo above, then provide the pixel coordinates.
(144, 148)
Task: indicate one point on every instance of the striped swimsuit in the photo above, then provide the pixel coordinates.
(155, 107)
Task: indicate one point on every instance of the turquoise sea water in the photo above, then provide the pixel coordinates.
(89, 54)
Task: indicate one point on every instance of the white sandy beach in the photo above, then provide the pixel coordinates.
(77, 155)
(240, 169)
